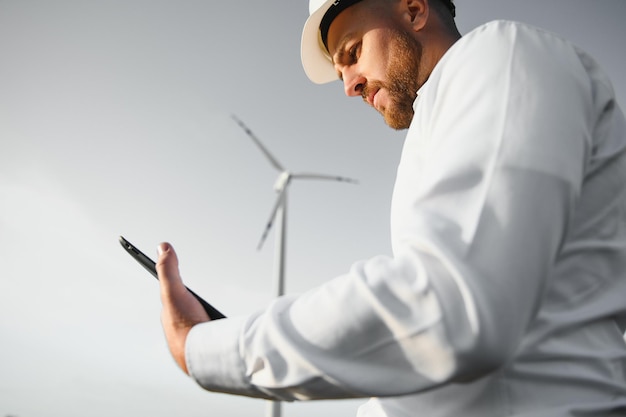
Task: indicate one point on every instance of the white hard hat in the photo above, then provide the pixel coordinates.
(315, 58)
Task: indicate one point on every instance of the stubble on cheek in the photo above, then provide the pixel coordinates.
(402, 84)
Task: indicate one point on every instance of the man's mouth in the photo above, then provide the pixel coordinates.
(371, 95)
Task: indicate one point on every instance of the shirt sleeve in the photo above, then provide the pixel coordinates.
(493, 162)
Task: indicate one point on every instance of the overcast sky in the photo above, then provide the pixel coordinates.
(115, 120)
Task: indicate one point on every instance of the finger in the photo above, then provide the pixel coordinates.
(176, 298)
(167, 268)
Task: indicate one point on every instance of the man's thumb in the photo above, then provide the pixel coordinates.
(167, 265)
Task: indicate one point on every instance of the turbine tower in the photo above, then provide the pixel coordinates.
(278, 215)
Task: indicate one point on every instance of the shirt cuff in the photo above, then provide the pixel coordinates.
(213, 358)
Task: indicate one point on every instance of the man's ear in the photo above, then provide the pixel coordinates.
(416, 12)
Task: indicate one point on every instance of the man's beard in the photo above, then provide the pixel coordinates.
(402, 81)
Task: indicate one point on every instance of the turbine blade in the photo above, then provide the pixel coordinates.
(313, 176)
(270, 222)
(258, 143)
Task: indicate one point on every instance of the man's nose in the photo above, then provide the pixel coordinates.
(353, 83)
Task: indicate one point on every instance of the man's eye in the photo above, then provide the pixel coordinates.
(353, 52)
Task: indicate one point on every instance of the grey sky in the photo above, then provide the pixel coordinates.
(115, 119)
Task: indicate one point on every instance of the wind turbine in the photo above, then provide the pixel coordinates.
(279, 216)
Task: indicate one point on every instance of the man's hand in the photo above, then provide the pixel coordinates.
(181, 310)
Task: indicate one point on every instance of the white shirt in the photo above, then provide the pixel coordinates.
(506, 292)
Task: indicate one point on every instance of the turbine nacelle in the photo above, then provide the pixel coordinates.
(282, 181)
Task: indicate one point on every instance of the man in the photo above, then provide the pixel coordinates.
(506, 291)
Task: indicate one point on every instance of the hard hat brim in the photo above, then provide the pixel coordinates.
(315, 59)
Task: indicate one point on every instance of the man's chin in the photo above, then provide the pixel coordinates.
(397, 120)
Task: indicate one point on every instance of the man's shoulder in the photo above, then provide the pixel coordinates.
(508, 31)
(501, 38)
(497, 48)
(488, 40)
